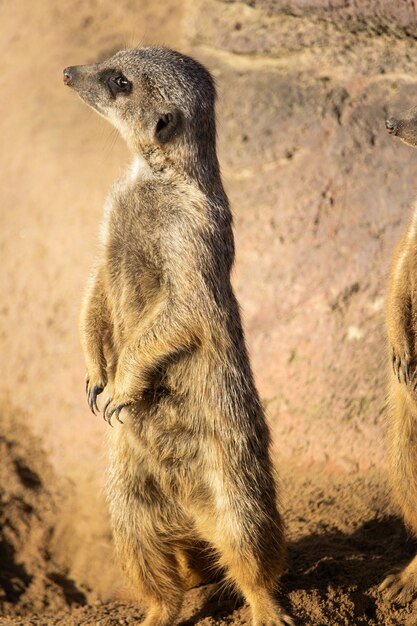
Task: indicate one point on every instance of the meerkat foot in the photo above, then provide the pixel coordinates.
(401, 586)
(162, 615)
(266, 611)
(278, 618)
(282, 620)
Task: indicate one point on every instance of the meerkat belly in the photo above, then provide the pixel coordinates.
(134, 287)
(172, 419)
(174, 440)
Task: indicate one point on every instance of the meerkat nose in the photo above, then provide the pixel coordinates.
(391, 126)
(68, 75)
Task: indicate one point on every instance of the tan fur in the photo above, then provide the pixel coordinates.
(190, 481)
(402, 338)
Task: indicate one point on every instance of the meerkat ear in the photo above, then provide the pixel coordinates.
(168, 126)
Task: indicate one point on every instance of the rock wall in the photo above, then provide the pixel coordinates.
(320, 194)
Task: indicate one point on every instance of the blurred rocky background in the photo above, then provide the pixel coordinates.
(320, 195)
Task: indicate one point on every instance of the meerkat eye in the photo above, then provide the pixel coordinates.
(116, 82)
(122, 82)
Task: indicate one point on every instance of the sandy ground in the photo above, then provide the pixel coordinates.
(320, 196)
(343, 539)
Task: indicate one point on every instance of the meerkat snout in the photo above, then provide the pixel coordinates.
(69, 75)
(391, 125)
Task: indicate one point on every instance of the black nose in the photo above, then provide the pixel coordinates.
(391, 125)
(69, 74)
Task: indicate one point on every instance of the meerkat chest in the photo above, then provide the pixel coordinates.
(131, 239)
(119, 195)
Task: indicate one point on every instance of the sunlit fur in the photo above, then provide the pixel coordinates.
(190, 482)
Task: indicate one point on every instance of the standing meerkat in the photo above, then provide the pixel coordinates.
(190, 478)
(402, 337)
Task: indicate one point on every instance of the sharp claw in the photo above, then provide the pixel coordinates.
(107, 415)
(113, 411)
(87, 382)
(89, 401)
(394, 364)
(105, 409)
(399, 369)
(412, 381)
(407, 371)
(108, 418)
(386, 583)
(96, 392)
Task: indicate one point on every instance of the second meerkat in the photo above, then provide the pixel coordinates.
(190, 470)
(402, 406)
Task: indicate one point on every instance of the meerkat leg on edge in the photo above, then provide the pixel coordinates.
(402, 442)
(94, 325)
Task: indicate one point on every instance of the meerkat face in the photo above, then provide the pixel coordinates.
(151, 95)
(404, 127)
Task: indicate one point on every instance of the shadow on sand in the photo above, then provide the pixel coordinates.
(353, 563)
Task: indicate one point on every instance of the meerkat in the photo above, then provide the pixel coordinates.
(190, 480)
(402, 398)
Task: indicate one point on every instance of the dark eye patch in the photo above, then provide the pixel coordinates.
(116, 82)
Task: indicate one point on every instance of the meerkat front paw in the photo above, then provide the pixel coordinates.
(94, 385)
(114, 406)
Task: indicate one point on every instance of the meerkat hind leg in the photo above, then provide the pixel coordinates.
(152, 569)
(265, 609)
(148, 530)
(249, 564)
(402, 438)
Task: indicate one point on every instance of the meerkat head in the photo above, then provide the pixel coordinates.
(153, 96)
(404, 127)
